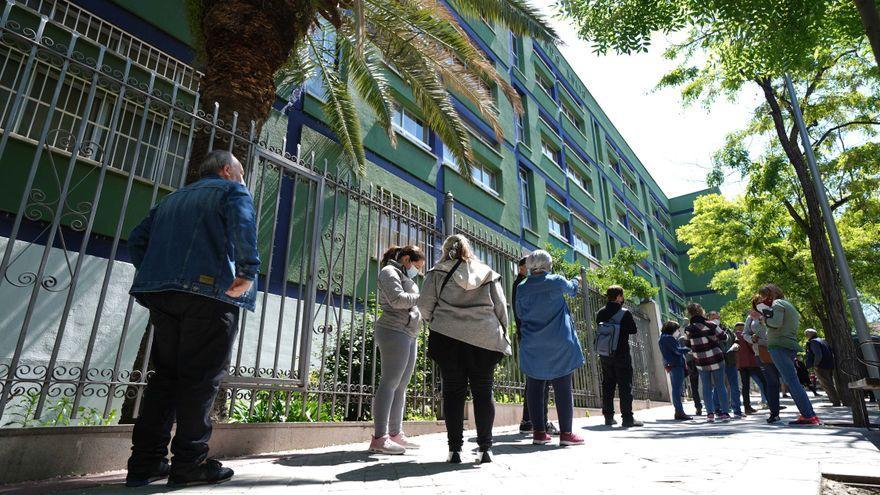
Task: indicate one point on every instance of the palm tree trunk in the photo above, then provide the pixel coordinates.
(871, 22)
(245, 42)
(838, 330)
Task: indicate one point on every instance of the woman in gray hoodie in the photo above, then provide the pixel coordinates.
(464, 303)
(395, 334)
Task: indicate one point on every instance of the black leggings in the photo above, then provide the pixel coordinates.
(462, 364)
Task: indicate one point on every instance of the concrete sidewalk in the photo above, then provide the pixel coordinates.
(745, 456)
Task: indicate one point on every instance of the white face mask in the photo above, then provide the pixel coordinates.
(412, 272)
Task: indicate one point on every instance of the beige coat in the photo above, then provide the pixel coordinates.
(471, 308)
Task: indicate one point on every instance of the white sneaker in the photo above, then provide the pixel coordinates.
(383, 445)
(403, 441)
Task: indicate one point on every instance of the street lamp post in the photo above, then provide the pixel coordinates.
(852, 295)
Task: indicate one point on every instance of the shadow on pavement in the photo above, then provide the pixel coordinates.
(399, 470)
(334, 458)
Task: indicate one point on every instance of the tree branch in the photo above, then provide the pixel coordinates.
(840, 202)
(841, 126)
(794, 214)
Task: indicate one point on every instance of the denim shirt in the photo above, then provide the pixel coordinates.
(197, 240)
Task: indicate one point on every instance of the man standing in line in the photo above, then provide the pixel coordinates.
(821, 358)
(617, 370)
(525, 426)
(196, 259)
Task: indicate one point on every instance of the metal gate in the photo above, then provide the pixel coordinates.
(92, 138)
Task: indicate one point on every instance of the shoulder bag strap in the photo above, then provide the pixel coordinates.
(448, 276)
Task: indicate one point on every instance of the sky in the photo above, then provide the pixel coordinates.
(674, 142)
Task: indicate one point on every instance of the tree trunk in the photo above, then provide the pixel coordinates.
(245, 43)
(838, 330)
(871, 22)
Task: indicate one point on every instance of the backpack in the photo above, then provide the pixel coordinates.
(608, 334)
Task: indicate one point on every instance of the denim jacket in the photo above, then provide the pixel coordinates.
(197, 240)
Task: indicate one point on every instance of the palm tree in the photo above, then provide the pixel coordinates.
(253, 50)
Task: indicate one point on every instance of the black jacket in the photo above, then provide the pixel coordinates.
(627, 326)
(518, 280)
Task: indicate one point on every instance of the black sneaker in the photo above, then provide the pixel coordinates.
(525, 427)
(632, 423)
(139, 477)
(774, 418)
(207, 473)
(454, 458)
(610, 421)
(699, 412)
(484, 457)
(551, 429)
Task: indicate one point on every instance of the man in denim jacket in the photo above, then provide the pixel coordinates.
(196, 259)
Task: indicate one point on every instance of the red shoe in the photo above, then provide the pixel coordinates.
(802, 421)
(541, 438)
(570, 439)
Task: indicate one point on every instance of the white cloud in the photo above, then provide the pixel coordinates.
(674, 142)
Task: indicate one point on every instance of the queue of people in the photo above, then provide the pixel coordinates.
(195, 318)
(764, 349)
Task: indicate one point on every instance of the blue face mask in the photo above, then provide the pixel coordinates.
(412, 272)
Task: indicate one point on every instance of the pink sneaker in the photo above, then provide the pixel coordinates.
(570, 439)
(383, 445)
(403, 441)
(541, 438)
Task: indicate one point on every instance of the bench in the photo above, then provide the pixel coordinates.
(865, 384)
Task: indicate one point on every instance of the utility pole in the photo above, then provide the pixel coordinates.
(852, 295)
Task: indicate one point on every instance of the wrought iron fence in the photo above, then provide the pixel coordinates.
(91, 140)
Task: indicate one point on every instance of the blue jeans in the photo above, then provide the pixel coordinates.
(564, 401)
(732, 373)
(676, 377)
(771, 389)
(784, 361)
(713, 387)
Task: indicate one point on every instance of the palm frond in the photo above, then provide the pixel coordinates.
(339, 108)
(366, 71)
(517, 15)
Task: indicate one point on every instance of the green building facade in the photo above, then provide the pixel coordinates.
(562, 173)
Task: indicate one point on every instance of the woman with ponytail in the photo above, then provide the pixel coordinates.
(395, 334)
(464, 303)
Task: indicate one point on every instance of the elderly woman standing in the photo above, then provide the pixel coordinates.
(395, 334)
(549, 349)
(464, 303)
(704, 337)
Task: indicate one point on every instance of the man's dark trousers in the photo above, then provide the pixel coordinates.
(694, 377)
(191, 350)
(617, 373)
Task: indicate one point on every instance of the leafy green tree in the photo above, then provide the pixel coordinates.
(731, 45)
(618, 270)
(252, 49)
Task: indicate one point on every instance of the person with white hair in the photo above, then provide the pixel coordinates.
(820, 357)
(463, 301)
(549, 347)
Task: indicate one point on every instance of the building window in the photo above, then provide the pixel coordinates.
(520, 120)
(544, 82)
(482, 175)
(629, 182)
(638, 234)
(582, 180)
(515, 47)
(614, 160)
(525, 192)
(585, 246)
(556, 226)
(550, 151)
(573, 117)
(621, 219)
(408, 124)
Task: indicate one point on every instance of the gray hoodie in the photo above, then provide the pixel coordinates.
(471, 308)
(398, 295)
